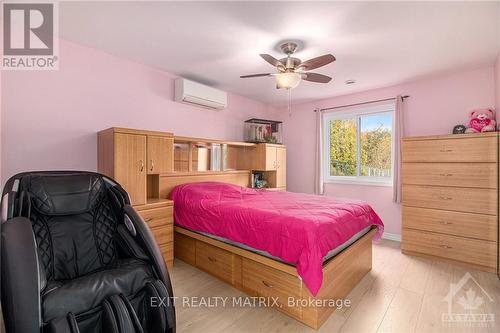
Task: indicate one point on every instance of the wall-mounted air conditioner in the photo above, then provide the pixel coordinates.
(191, 92)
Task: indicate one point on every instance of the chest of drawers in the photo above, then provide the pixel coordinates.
(450, 198)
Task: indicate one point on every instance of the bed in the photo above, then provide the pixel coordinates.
(294, 247)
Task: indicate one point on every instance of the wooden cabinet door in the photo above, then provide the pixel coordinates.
(271, 161)
(281, 167)
(130, 165)
(160, 154)
(265, 158)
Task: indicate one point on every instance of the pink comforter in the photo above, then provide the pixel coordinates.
(298, 228)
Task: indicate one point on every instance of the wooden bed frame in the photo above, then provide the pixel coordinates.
(257, 275)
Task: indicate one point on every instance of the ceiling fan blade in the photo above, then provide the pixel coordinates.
(315, 77)
(255, 75)
(317, 62)
(272, 60)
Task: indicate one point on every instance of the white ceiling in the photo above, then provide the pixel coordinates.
(375, 43)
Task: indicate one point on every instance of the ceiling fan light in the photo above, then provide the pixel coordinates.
(288, 80)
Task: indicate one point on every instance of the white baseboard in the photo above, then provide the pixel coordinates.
(392, 237)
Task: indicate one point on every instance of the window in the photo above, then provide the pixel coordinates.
(358, 145)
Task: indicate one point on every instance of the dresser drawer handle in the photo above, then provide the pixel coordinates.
(148, 220)
(211, 259)
(445, 246)
(446, 174)
(442, 197)
(445, 150)
(267, 284)
(445, 222)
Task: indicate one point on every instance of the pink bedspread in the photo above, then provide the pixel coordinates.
(298, 228)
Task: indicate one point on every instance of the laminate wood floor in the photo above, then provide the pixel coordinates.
(401, 294)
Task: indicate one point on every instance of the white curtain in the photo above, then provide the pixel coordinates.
(398, 135)
(318, 173)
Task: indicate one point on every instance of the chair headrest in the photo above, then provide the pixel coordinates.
(64, 193)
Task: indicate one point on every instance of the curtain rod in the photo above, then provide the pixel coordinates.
(355, 104)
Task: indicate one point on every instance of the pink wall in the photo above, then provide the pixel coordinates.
(435, 106)
(497, 83)
(1, 133)
(53, 116)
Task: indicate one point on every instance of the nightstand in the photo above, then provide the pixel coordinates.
(159, 216)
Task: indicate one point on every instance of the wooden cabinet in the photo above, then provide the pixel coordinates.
(159, 216)
(280, 167)
(266, 157)
(129, 165)
(450, 198)
(134, 158)
(128, 156)
(271, 158)
(159, 154)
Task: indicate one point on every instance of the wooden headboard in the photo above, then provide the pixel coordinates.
(169, 181)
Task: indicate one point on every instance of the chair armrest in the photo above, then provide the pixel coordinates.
(145, 239)
(20, 277)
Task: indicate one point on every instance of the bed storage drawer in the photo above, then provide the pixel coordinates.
(185, 248)
(263, 281)
(472, 200)
(464, 149)
(215, 261)
(470, 225)
(466, 250)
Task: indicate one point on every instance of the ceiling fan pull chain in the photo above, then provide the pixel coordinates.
(289, 102)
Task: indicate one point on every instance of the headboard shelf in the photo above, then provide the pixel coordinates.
(201, 155)
(169, 181)
(149, 164)
(209, 172)
(193, 140)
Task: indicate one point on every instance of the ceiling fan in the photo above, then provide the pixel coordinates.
(292, 70)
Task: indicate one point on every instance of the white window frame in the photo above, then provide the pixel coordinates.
(357, 113)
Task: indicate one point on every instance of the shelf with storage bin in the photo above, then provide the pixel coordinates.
(199, 155)
(194, 140)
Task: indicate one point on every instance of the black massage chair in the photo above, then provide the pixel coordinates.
(76, 257)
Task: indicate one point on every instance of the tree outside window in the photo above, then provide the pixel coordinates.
(359, 145)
